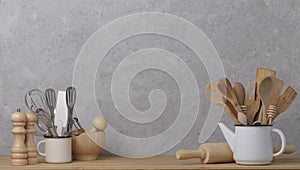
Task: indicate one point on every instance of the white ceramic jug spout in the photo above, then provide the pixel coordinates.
(228, 134)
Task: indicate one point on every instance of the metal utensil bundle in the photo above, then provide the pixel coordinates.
(265, 104)
(43, 105)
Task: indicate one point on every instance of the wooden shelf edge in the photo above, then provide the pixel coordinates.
(158, 162)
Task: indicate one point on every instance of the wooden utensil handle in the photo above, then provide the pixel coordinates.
(188, 154)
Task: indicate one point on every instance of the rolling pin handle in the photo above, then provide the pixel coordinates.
(188, 154)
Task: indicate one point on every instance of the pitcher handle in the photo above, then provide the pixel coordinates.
(283, 142)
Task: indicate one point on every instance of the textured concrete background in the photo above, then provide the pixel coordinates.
(40, 41)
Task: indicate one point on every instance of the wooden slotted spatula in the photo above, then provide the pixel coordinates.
(285, 100)
(269, 91)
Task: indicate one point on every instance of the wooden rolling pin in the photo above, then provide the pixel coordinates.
(289, 149)
(208, 153)
(218, 153)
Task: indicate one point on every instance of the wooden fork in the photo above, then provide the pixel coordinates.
(285, 100)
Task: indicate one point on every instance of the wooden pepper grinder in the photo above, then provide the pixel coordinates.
(29, 140)
(18, 150)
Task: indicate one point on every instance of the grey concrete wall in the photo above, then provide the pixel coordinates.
(40, 41)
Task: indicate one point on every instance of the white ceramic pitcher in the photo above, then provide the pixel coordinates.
(252, 145)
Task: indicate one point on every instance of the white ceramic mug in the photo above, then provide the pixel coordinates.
(57, 150)
(253, 145)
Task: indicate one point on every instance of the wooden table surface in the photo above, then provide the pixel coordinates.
(159, 162)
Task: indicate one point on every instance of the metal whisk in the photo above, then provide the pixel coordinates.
(46, 120)
(36, 102)
(70, 100)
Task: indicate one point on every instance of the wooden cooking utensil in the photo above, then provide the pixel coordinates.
(261, 74)
(218, 153)
(215, 97)
(270, 90)
(212, 94)
(242, 118)
(239, 91)
(231, 112)
(225, 88)
(252, 106)
(285, 100)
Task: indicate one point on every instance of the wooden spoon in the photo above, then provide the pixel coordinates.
(261, 74)
(239, 91)
(241, 117)
(269, 91)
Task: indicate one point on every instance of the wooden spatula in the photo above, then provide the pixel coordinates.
(269, 91)
(252, 106)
